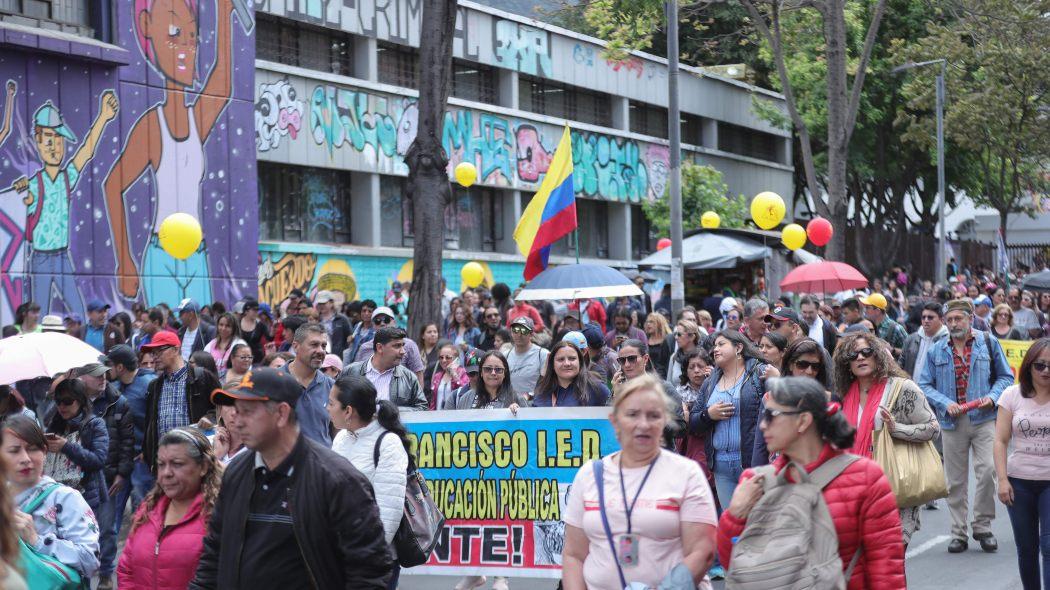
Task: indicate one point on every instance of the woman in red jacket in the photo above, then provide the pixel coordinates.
(167, 532)
(800, 424)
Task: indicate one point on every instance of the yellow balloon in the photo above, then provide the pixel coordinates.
(180, 235)
(767, 209)
(710, 220)
(793, 236)
(466, 174)
(472, 274)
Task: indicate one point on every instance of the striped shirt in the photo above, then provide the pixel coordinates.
(726, 440)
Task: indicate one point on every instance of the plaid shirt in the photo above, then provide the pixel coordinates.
(892, 332)
(173, 410)
(962, 369)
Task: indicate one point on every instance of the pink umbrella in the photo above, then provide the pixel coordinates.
(823, 277)
(43, 354)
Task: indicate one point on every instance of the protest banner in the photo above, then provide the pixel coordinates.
(502, 481)
(1015, 351)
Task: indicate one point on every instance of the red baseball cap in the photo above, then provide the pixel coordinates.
(161, 339)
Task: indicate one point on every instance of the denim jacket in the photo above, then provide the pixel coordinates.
(938, 378)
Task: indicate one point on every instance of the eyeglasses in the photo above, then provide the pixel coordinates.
(865, 352)
(446, 357)
(629, 359)
(65, 401)
(732, 317)
(382, 320)
(807, 365)
(521, 330)
(774, 324)
(768, 415)
(493, 370)
(678, 334)
(1041, 366)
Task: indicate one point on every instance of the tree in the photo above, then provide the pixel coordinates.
(623, 22)
(997, 110)
(428, 186)
(702, 190)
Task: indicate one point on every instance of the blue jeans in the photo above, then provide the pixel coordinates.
(107, 536)
(54, 268)
(142, 481)
(727, 474)
(1030, 517)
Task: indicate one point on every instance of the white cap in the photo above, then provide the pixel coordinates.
(384, 310)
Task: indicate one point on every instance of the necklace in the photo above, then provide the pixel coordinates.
(727, 383)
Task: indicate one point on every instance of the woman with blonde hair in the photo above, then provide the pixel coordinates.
(656, 332)
(167, 531)
(1003, 326)
(866, 376)
(614, 544)
(687, 338)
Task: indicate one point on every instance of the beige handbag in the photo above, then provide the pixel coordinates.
(914, 469)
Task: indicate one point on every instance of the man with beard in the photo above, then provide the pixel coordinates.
(968, 366)
(309, 348)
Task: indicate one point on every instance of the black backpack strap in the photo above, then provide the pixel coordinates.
(375, 451)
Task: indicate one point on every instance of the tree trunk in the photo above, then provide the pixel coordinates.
(835, 51)
(428, 186)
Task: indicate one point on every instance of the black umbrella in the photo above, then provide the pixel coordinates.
(1040, 281)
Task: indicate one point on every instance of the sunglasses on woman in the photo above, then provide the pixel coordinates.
(382, 320)
(1041, 366)
(768, 415)
(865, 352)
(493, 370)
(807, 365)
(65, 401)
(628, 359)
(521, 330)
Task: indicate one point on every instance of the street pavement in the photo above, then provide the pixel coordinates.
(929, 565)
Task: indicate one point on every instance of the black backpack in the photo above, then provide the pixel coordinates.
(422, 521)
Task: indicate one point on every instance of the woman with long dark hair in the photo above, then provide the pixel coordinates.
(238, 364)
(492, 391)
(167, 532)
(566, 382)
(772, 346)
(77, 444)
(363, 425)
(805, 357)
(429, 339)
(726, 411)
(227, 335)
(1022, 462)
(806, 430)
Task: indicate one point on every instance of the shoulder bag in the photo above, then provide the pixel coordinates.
(914, 469)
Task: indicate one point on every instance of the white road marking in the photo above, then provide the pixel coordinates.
(916, 551)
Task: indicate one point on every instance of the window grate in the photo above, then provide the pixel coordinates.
(747, 142)
(648, 119)
(474, 81)
(305, 46)
(562, 100)
(398, 65)
(303, 204)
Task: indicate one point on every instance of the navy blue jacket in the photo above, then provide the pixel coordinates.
(90, 455)
(751, 392)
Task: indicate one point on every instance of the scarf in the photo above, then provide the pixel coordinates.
(862, 444)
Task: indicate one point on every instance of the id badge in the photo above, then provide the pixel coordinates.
(628, 553)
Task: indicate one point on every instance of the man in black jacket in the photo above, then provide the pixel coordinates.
(292, 510)
(114, 410)
(194, 334)
(179, 396)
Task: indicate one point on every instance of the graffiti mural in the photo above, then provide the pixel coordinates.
(278, 276)
(96, 152)
(278, 113)
(368, 131)
(523, 48)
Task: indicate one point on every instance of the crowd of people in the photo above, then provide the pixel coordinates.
(286, 410)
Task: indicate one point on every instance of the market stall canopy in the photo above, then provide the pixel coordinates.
(42, 354)
(579, 281)
(823, 277)
(1039, 281)
(708, 249)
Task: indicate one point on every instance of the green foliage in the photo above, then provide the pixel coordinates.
(702, 190)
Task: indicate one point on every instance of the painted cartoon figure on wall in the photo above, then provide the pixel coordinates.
(168, 140)
(47, 195)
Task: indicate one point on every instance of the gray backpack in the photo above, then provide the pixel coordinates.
(789, 541)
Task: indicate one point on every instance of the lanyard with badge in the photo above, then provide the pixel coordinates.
(628, 543)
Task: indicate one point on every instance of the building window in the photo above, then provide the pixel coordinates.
(474, 81)
(747, 142)
(692, 129)
(648, 119)
(479, 218)
(564, 101)
(88, 18)
(396, 230)
(302, 204)
(398, 65)
(306, 46)
(641, 233)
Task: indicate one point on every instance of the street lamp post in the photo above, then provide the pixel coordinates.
(674, 133)
(942, 248)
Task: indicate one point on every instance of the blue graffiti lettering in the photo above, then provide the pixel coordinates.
(608, 167)
(339, 116)
(488, 144)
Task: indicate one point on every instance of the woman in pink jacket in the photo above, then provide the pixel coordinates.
(168, 530)
(449, 375)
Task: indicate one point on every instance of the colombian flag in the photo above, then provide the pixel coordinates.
(552, 212)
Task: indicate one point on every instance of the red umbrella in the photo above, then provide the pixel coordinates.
(823, 277)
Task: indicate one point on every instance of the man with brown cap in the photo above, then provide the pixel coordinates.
(968, 366)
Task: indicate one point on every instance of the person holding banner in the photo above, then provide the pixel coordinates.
(493, 391)
(1023, 468)
(363, 426)
(646, 516)
(566, 383)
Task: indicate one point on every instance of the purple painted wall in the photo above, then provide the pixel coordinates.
(97, 154)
